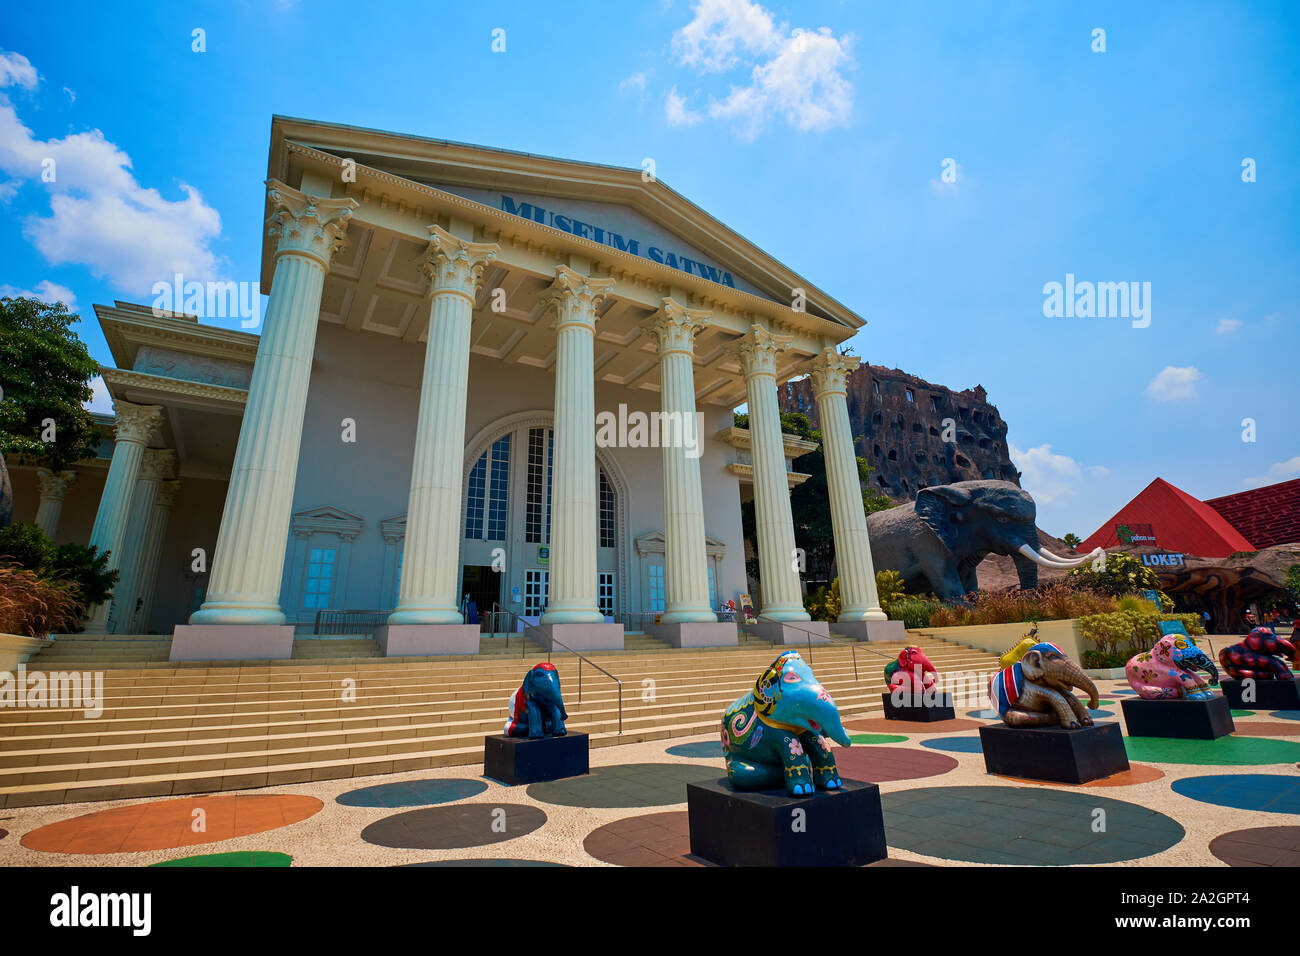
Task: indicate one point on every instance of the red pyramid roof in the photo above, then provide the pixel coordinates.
(1267, 516)
(1178, 522)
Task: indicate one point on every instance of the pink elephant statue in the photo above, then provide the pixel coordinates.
(1168, 671)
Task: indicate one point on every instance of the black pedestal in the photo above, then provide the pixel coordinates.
(1269, 694)
(1053, 753)
(913, 709)
(1188, 719)
(515, 760)
(842, 827)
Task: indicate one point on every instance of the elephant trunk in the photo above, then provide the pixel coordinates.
(1208, 666)
(1066, 673)
(826, 721)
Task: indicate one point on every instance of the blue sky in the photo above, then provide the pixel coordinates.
(817, 130)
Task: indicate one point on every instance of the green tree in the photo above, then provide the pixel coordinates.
(45, 374)
(1072, 540)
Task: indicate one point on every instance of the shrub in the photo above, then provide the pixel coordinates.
(25, 545)
(824, 603)
(1051, 602)
(1129, 631)
(33, 606)
(84, 569)
(915, 611)
(889, 588)
(1123, 574)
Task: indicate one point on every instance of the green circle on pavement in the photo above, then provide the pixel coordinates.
(877, 738)
(1232, 751)
(244, 858)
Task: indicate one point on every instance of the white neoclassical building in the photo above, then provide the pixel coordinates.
(443, 404)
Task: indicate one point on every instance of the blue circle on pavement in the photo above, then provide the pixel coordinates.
(984, 714)
(701, 748)
(1094, 714)
(1271, 793)
(957, 745)
(411, 793)
(1286, 714)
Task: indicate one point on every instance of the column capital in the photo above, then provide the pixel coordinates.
(757, 350)
(453, 264)
(574, 297)
(54, 485)
(167, 492)
(135, 423)
(674, 326)
(157, 464)
(307, 225)
(830, 372)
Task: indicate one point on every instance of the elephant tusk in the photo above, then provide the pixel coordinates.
(1046, 559)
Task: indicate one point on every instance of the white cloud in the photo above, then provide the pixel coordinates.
(71, 93)
(941, 188)
(16, 69)
(1175, 384)
(101, 217)
(794, 74)
(1050, 477)
(677, 113)
(45, 290)
(1227, 325)
(634, 83)
(100, 400)
(1281, 471)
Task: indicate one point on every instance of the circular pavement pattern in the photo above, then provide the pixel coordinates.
(482, 862)
(879, 725)
(454, 827)
(653, 839)
(1271, 793)
(411, 793)
(957, 745)
(1261, 846)
(883, 764)
(1231, 751)
(244, 858)
(3, 833)
(624, 785)
(167, 824)
(701, 748)
(1099, 714)
(984, 714)
(1267, 728)
(1023, 826)
(1242, 713)
(1137, 773)
(877, 738)
(1285, 714)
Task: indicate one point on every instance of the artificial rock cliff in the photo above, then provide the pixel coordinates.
(914, 433)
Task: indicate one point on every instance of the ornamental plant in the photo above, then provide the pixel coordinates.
(1123, 574)
(84, 570)
(33, 606)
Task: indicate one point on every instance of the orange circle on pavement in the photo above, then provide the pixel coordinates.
(1137, 773)
(169, 824)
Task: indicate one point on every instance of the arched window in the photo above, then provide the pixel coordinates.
(487, 493)
(608, 502)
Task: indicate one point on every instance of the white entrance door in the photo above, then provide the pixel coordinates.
(537, 585)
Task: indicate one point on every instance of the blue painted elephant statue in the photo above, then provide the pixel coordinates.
(776, 734)
(537, 708)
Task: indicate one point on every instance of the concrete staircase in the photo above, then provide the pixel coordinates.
(178, 729)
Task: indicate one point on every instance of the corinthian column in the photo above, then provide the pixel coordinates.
(162, 509)
(777, 561)
(53, 488)
(686, 577)
(431, 554)
(244, 585)
(156, 465)
(132, 428)
(574, 506)
(858, 598)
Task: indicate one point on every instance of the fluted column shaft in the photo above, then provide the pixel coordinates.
(686, 576)
(156, 465)
(777, 559)
(244, 584)
(152, 554)
(53, 489)
(858, 597)
(431, 554)
(574, 514)
(133, 426)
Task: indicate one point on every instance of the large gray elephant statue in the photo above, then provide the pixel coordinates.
(937, 542)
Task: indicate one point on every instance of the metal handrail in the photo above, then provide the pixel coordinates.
(831, 639)
(580, 660)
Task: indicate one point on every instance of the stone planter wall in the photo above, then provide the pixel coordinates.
(16, 649)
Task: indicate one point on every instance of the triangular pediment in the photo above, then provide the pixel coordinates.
(327, 519)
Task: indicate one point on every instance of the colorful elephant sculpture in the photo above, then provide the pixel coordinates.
(913, 671)
(537, 708)
(1259, 656)
(1168, 671)
(1035, 691)
(775, 735)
